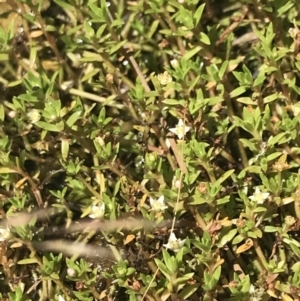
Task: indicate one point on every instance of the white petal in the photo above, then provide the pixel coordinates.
(257, 190)
(161, 199)
(182, 242)
(167, 246)
(152, 201)
(186, 128)
(180, 135)
(4, 234)
(180, 122)
(251, 289)
(174, 130)
(168, 144)
(265, 195)
(174, 244)
(172, 237)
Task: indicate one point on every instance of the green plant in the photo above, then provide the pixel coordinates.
(149, 145)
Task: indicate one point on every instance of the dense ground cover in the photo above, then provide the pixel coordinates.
(149, 150)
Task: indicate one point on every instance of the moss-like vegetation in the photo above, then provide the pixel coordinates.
(149, 150)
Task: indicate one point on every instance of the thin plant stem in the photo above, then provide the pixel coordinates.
(260, 255)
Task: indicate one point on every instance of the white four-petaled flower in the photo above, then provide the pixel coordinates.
(258, 196)
(4, 234)
(158, 204)
(181, 129)
(174, 244)
(97, 211)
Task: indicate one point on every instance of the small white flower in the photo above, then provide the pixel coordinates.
(12, 114)
(158, 204)
(71, 272)
(176, 183)
(61, 298)
(296, 110)
(181, 129)
(293, 32)
(164, 78)
(256, 294)
(174, 63)
(34, 116)
(258, 196)
(174, 244)
(4, 234)
(97, 211)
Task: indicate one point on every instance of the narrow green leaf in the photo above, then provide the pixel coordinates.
(191, 53)
(273, 156)
(276, 140)
(188, 291)
(73, 118)
(272, 97)
(153, 29)
(223, 200)
(194, 83)
(65, 149)
(198, 14)
(259, 80)
(65, 5)
(183, 279)
(246, 101)
(28, 261)
(185, 17)
(162, 268)
(100, 31)
(227, 237)
(4, 57)
(223, 68)
(88, 29)
(4, 170)
(117, 23)
(54, 276)
(238, 239)
(238, 91)
(166, 32)
(226, 175)
(296, 250)
(259, 35)
(90, 75)
(247, 73)
(204, 38)
(214, 100)
(171, 102)
(104, 7)
(117, 47)
(51, 127)
(285, 8)
(217, 273)
(2, 113)
(270, 35)
(96, 12)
